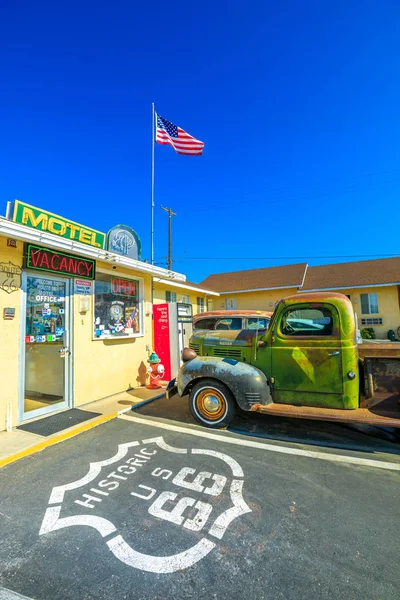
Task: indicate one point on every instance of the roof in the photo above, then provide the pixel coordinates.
(353, 274)
(186, 285)
(257, 279)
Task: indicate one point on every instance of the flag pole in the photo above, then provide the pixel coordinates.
(152, 182)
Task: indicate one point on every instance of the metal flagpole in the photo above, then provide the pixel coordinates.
(152, 182)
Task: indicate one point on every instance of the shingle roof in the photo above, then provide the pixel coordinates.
(341, 275)
(351, 274)
(256, 279)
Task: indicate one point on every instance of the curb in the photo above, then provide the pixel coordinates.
(58, 438)
(139, 404)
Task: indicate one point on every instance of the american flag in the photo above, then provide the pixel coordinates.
(131, 319)
(182, 142)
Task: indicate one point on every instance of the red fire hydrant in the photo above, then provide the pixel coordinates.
(156, 370)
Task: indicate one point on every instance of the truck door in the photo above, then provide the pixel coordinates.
(306, 361)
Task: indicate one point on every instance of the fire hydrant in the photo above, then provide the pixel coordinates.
(156, 370)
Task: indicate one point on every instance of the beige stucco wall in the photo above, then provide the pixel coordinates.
(9, 338)
(265, 300)
(160, 289)
(388, 305)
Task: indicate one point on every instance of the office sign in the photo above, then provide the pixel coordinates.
(123, 240)
(43, 259)
(24, 214)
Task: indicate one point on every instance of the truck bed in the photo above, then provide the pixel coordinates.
(372, 349)
(384, 414)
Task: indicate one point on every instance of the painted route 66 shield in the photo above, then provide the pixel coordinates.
(149, 496)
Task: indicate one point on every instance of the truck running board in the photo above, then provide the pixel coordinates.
(388, 416)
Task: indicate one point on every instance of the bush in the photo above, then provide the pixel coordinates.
(368, 333)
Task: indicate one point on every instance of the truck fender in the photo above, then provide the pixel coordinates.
(247, 383)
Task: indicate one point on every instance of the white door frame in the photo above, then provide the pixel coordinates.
(68, 343)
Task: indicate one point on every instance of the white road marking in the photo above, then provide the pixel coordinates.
(52, 522)
(195, 522)
(237, 470)
(161, 444)
(226, 439)
(159, 564)
(57, 494)
(239, 508)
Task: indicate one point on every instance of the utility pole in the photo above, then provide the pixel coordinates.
(170, 215)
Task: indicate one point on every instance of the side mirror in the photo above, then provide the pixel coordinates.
(261, 344)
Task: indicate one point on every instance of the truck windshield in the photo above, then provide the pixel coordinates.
(258, 323)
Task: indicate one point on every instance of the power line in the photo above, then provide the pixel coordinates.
(181, 259)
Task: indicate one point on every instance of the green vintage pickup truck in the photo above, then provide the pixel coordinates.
(306, 365)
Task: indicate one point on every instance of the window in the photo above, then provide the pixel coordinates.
(185, 299)
(232, 324)
(369, 304)
(170, 296)
(258, 323)
(117, 310)
(204, 324)
(200, 304)
(372, 321)
(230, 304)
(307, 321)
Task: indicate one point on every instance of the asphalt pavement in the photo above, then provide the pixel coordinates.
(149, 508)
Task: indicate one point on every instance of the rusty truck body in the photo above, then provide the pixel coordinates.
(307, 364)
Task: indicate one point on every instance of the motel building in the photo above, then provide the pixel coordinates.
(76, 322)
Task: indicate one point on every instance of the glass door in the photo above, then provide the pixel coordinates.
(45, 378)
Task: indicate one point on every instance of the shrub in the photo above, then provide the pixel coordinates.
(368, 333)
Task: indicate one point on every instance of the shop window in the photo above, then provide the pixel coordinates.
(185, 299)
(200, 304)
(117, 307)
(369, 304)
(170, 296)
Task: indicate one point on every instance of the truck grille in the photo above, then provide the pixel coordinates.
(195, 347)
(228, 352)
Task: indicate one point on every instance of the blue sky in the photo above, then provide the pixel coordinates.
(297, 103)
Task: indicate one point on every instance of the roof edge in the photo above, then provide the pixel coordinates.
(349, 287)
(284, 287)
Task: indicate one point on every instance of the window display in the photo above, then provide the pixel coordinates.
(116, 307)
(45, 310)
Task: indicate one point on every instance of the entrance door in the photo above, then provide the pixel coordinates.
(45, 357)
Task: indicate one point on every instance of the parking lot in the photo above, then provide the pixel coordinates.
(145, 507)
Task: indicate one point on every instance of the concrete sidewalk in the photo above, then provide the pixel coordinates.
(18, 443)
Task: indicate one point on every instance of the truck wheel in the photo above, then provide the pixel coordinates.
(212, 403)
